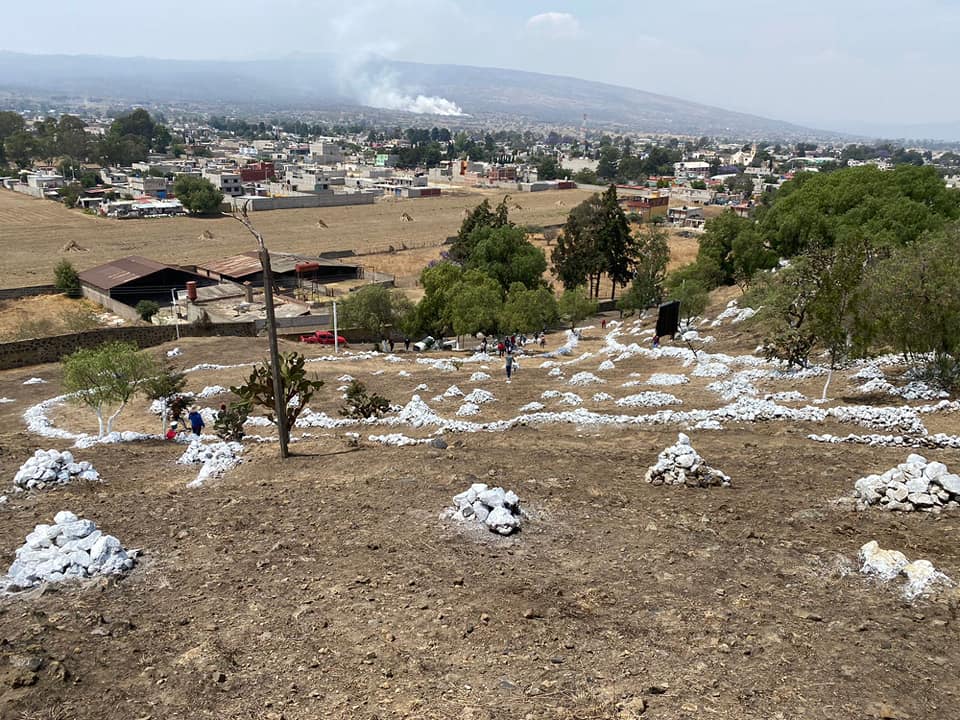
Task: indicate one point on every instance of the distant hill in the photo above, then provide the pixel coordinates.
(324, 82)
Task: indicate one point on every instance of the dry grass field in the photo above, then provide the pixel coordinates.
(33, 232)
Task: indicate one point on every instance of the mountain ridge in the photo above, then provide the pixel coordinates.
(321, 80)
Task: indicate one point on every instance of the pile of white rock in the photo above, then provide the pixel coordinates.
(52, 467)
(680, 464)
(70, 549)
(496, 508)
(913, 485)
(215, 459)
(887, 565)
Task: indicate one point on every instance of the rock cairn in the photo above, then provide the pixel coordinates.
(680, 464)
(913, 485)
(496, 508)
(920, 575)
(52, 467)
(69, 549)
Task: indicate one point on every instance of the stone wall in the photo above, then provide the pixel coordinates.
(50, 349)
(29, 291)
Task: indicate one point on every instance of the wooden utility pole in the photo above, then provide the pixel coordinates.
(279, 406)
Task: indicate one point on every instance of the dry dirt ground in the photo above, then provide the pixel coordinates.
(50, 315)
(326, 586)
(33, 232)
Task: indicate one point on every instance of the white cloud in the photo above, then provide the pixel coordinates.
(554, 25)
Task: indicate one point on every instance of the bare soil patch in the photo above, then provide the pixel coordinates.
(326, 586)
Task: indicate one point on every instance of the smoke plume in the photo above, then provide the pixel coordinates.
(368, 81)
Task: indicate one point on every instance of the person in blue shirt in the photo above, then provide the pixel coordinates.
(196, 420)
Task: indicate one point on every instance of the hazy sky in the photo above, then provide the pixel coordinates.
(842, 64)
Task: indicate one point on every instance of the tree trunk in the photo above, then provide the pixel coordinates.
(114, 417)
(99, 421)
(163, 416)
(826, 385)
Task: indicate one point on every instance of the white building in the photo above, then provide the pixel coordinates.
(228, 182)
(691, 169)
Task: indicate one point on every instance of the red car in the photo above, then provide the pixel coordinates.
(322, 337)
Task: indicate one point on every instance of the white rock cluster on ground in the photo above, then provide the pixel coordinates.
(667, 379)
(584, 378)
(921, 576)
(913, 485)
(479, 376)
(496, 508)
(69, 549)
(52, 467)
(214, 458)
(680, 464)
(468, 409)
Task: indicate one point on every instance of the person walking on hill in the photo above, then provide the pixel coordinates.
(509, 366)
(196, 420)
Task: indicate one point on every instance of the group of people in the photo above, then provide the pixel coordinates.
(511, 343)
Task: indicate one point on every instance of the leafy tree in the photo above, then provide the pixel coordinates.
(548, 168)
(109, 374)
(70, 194)
(690, 291)
(11, 123)
(596, 240)
(909, 303)
(298, 389)
(475, 304)
(698, 185)
(146, 309)
(528, 311)
(576, 305)
(375, 308)
(164, 386)
(586, 177)
(505, 254)
(650, 268)
(198, 195)
(66, 280)
(20, 147)
(607, 167)
(361, 404)
(479, 218)
(432, 313)
(888, 208)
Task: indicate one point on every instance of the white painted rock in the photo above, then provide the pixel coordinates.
(680, 464)
(70, 549)
(885, 564)
(913, 485)
(52, 467)
(920, 575)
(498, 509)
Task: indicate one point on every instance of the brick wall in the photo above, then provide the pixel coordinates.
(51, 349)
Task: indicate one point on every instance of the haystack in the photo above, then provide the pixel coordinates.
(73, 246)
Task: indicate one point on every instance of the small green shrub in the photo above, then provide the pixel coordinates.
(66, 279)
(362, 404)
(146, 309)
